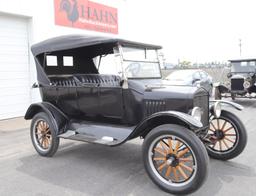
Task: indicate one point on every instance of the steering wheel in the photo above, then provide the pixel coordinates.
(133, 68)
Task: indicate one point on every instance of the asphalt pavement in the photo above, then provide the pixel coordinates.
(88, 169)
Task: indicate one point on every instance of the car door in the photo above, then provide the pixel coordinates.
(110, 91)
(100, 96)
(110, 97)
(88, 95)
(67, 96)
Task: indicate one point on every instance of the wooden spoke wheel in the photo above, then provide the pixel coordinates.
(223, 134)
(173, 159)
(227, 136)
(43, 135)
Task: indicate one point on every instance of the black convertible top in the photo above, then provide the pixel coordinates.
(77, 41)
(81, 48)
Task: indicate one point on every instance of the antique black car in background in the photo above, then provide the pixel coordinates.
(109, 91)
(242, 80)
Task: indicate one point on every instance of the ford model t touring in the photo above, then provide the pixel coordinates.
(242, 82)
(82, 101)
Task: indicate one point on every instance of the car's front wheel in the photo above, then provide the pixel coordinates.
(228, 136)
(43, 135)
(175, 159)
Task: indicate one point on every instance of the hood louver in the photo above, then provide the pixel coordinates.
(153, 106)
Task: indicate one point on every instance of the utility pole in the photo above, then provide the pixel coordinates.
(240, 47)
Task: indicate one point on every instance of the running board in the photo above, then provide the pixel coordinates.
(97, 133)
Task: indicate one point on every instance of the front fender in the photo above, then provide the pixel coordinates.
(166, 117)
(227, 103)
(58, 118)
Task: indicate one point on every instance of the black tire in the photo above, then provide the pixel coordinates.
(217, 94)
(238, 135)
(197, 152)
(49, 134)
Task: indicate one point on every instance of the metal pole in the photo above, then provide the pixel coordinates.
(240, 46)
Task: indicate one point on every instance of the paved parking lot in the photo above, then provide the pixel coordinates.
(88, 169)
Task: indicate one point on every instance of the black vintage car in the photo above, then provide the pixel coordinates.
(82, 101)
(242, 80)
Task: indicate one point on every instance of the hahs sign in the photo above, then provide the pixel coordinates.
(85, 14)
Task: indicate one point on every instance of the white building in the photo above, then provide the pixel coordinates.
(23, 23)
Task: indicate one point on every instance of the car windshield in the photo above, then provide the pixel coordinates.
(244, 66)
(180, 75)
(141, 63)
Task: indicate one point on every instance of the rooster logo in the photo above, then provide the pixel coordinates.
(71, 9)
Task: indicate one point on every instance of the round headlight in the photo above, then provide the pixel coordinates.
(246, 84)
(217, 109)
(196, 113)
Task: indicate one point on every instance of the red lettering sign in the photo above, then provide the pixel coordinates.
(85, 14)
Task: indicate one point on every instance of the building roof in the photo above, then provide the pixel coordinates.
(67, 42)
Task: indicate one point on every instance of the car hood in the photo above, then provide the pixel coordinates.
(161, 89)
(158, 96)
(156, 93)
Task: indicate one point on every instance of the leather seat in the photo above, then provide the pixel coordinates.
(102, 80)
(63, 81)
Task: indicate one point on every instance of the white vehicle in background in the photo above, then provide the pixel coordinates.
(191, 77)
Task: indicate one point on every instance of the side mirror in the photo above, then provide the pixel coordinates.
(229, 75)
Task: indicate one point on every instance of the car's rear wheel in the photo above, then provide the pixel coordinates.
(43, 135)
(228, 136)
(175, 159)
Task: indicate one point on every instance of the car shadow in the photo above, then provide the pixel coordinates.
(223, 172)
(99, 170)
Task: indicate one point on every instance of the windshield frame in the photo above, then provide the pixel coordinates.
(120, 48)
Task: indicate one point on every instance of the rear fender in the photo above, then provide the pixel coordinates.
(166, 117)
(58, 118)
